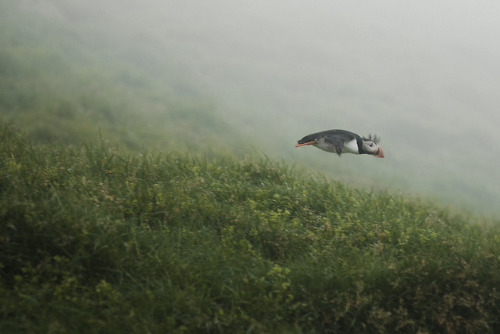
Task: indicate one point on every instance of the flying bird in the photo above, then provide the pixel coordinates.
(342, 141)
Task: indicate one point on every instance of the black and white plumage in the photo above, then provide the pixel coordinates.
(342, 141)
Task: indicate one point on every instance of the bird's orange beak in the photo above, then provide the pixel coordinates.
(380, 153)
(308, 143)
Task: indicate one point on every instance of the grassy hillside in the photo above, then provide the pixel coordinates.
(62, 86)
(94, 239)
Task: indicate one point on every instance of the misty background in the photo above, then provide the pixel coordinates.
(424, 76)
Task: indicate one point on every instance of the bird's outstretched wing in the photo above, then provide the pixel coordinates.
(332, 144)
(330, 141)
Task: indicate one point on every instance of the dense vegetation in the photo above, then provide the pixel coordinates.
(97, 240)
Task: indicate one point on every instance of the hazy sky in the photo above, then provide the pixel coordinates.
(437, 59)
(424, 75)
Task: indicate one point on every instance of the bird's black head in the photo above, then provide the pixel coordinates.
(371, 146)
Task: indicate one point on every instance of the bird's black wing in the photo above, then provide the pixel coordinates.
(331, 133)
(330, 140)
(334, 143)
(337, 138)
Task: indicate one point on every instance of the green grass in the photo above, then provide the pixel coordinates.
(94, 239)
(61, 88)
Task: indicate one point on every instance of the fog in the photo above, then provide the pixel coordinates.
(424, 76)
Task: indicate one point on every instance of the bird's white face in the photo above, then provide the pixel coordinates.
(373, 148)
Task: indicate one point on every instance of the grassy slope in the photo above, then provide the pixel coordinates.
(94, 238)
(62, 86)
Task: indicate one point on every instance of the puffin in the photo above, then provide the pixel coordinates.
(342, 141)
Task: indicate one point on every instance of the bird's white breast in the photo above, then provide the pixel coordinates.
(351, 147)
